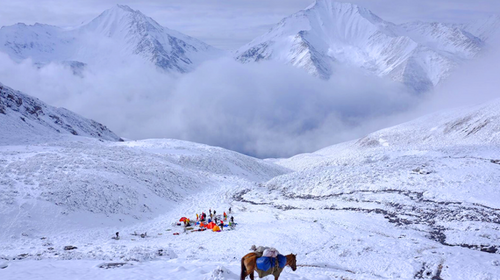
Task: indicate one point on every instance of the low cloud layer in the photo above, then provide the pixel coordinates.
(473, 83)
(264, 110)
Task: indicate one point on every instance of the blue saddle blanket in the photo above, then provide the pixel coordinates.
(266, 263)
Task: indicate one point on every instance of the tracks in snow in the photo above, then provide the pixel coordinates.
(411, 210)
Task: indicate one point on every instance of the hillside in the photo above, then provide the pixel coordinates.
(25, 119)
(415, 201)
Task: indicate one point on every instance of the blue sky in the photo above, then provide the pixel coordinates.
(228, 24)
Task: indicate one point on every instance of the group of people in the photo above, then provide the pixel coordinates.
(218, 220)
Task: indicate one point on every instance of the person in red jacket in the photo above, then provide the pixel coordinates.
(221, 224)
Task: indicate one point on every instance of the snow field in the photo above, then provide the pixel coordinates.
(413, 206)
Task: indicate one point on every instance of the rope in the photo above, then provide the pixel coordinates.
(310, 265)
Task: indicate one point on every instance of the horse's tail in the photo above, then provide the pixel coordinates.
(243, 269)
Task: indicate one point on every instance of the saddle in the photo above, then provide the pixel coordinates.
(270, 265)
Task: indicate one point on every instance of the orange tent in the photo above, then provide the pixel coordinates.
(202, 225)
(211, 225)
(216, 228)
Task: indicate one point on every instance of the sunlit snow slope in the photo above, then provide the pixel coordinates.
(48, 170)
(416, 201)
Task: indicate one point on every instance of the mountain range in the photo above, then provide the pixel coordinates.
(119, 34)
(328, 34)
(319, 39)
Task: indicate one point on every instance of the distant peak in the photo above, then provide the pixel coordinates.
(343, 8)
(124, 7)
(332, 4)
(118, 11)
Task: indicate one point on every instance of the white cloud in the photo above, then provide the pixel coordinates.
(473, 83)
(265, 109)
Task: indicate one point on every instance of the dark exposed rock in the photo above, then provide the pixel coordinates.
(421, 212)
(112, 265)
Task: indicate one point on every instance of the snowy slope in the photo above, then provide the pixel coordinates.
(119, 32)
(415, 201)
(438, 175)
(25, 119)
(327, 33)
(473, 126)
(84, 182)
(486, 28)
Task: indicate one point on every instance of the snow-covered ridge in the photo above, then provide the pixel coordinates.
(85, 182)
(473, 126)
(419, 200)
(27, 119)
(209, 159)
(49, 170)
(120, 31)
(329, 33)
(438, 175)
(486, 29)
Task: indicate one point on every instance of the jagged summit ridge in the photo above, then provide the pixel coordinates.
(343, 9)
(128, 34)
(330, 33)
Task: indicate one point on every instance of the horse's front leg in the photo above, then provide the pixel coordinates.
(251, 276)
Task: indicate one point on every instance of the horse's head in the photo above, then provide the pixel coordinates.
(291, 260)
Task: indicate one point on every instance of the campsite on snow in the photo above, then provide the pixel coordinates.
(417, 199)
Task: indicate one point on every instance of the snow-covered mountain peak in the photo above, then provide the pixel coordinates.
(122, 19)
(125, 8)
(342, 9)
(327, 33)
(125, 34)
(330, 33)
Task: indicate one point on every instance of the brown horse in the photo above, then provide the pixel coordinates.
(249, 264)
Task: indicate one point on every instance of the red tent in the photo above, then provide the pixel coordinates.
(182, 219)
(211, 225)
